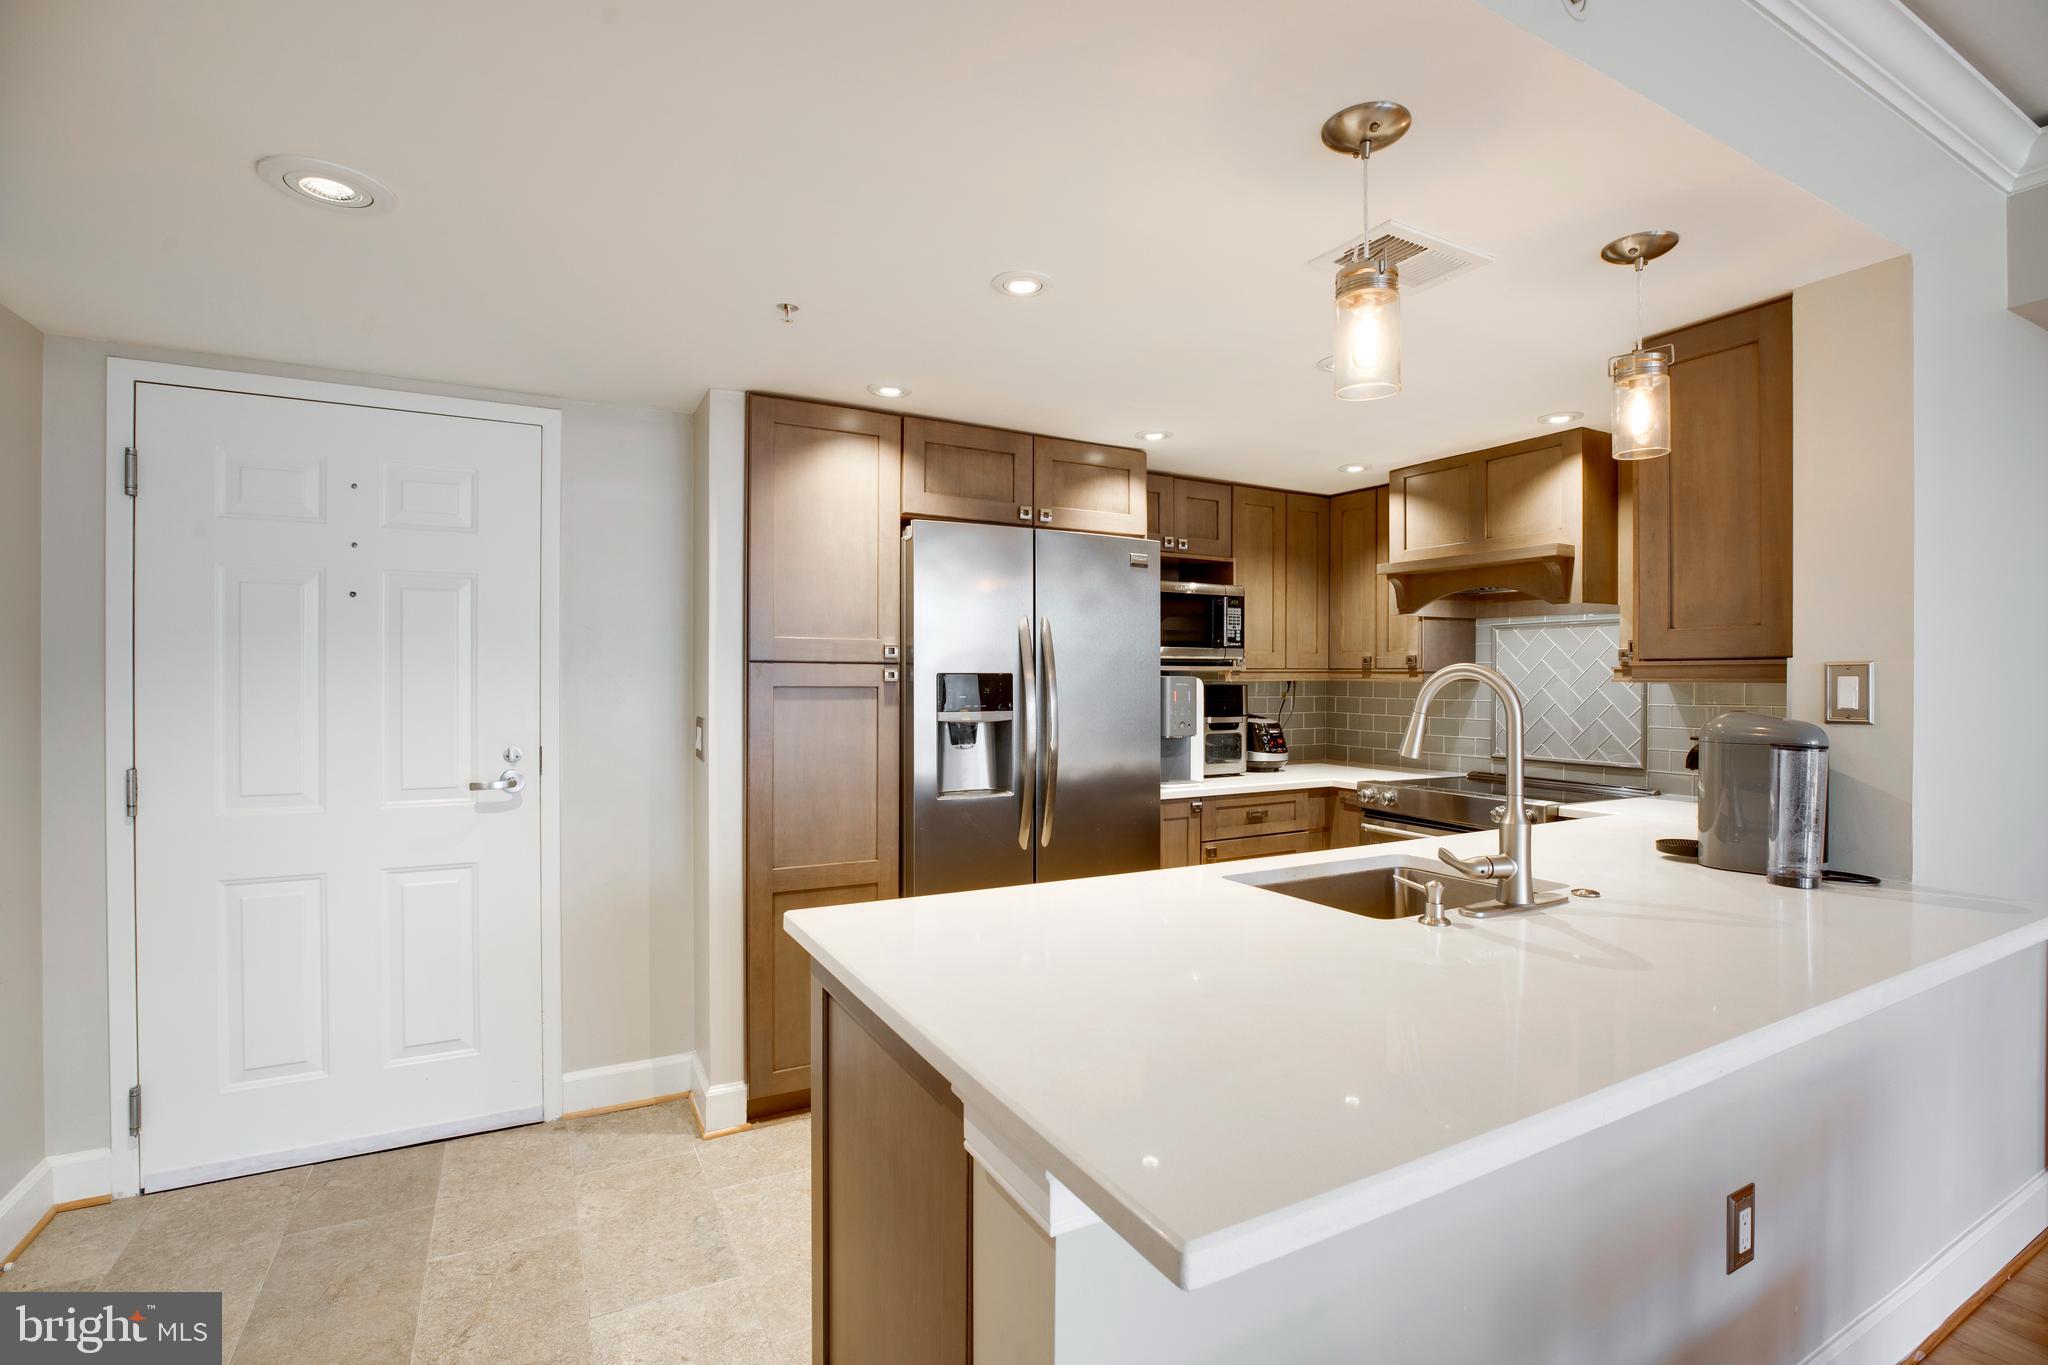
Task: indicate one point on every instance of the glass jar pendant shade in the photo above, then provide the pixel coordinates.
(1641, 417)
(1368, 342)
(1366, 349)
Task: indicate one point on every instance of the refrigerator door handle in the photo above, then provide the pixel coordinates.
(1052, 733)
(1027, 753)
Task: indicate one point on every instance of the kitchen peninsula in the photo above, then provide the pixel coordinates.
(1173, 1115)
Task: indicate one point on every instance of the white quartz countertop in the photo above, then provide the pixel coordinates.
(1293, 778)
(1225, 1074)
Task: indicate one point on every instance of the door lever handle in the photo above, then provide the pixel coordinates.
(511, 780)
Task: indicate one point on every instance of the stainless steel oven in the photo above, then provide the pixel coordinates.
(1201, 624)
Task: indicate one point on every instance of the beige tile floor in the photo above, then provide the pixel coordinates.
(619, 1238)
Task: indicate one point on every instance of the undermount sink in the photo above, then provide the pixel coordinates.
(1368, 887)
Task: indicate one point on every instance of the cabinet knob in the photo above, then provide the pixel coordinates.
(1196, 807)
(889, 651)
(1023, 514)
(1182, 542)
(888, 675)
(1045, 515)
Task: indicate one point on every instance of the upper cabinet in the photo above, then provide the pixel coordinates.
(1189, 516)
(1531, 521)
(1259, 532)
(1708, 543)
(824, 491)
(966, 473)
(1308, 581)
(1356, 520)
(1083, 487)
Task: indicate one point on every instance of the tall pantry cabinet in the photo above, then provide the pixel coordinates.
(824, 501)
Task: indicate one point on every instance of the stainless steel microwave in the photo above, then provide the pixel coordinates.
(1201, 623)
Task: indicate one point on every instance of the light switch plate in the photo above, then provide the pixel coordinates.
(1849, 693)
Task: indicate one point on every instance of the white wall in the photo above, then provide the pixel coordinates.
(627, 971)
(21, 932)
(1852, 551)
(1980, 390)
(719, 652)
(1874, 1150)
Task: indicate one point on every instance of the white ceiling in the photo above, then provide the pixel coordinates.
(2006, 40)
(606, 200)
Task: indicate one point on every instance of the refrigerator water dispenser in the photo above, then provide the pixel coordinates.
(974, 719)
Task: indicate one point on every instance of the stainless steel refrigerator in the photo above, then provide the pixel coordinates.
(1031, 720)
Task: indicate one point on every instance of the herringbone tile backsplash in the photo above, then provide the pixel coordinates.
(1362, 722)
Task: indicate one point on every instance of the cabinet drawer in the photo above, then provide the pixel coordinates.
(1260, 846)
(1231, 817)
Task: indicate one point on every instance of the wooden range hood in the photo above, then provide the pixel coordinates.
(1532, 573)
(1534, 521)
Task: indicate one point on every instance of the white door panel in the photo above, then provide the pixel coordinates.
(337, 629)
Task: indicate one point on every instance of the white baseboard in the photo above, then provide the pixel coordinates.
(719, 1106)
(1890, 1329)
(22, 1207)
(81, 1175)
(627, 1082)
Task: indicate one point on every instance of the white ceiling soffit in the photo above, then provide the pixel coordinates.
(1889, 51)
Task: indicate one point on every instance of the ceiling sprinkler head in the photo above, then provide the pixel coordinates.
(788, 311)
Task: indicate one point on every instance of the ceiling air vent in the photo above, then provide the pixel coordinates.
(1424, 259)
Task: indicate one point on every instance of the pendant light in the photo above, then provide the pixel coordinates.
(1642, 379)
(1368, 288)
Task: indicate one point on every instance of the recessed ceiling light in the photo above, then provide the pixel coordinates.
(1020, 284)
(1560, 419)
(324, 182)
(1154, 435)
(888, 391)
(1328, 364)
(1350, 469)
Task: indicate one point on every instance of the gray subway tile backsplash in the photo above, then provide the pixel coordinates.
(1362, 722)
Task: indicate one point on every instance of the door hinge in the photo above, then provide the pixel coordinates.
(134, 793)
(134, 1111)
(131, 471)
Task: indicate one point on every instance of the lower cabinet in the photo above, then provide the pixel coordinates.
(891, 1196)
(1180, 833)
(822, 815)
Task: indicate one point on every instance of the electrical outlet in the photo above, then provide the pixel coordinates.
(1741, 1228)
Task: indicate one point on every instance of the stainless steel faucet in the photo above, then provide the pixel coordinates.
(1509, 870)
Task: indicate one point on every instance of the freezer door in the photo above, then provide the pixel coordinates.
(1098, 639)
(969, 788)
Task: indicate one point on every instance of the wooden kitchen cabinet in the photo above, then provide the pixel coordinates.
(1082, 487)
(1282, 561)
(1707, 553)
(824, 506)
(1259, 531)
(822, 794)
(1180, 833)
(1355, 536)
(966, 473)
(1308, 581)
(1189, 516)
(1396, 645)
(1532, 520)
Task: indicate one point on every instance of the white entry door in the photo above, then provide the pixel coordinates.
(337, 632)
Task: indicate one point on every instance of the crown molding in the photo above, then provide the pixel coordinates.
(1886, 49)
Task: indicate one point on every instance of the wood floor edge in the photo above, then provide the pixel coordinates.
(746, 1127)
(629, 1104)
(90, 1201)
(1977, 1300)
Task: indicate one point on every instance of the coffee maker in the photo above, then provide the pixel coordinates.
(1764, 797)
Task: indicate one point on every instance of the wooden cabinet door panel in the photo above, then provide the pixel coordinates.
(1232, 817)
(1159, 509)
(824, 493)
(822, 809)
(1432, 508)
(1713, 519)
(1259, 529)
(1394, 635)
(966, 473)
(1308, 581)
(1201, 517)
(1259, 846)
(1529, 496)
(1089, 487)
(1180, 832)
(1354, 577)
